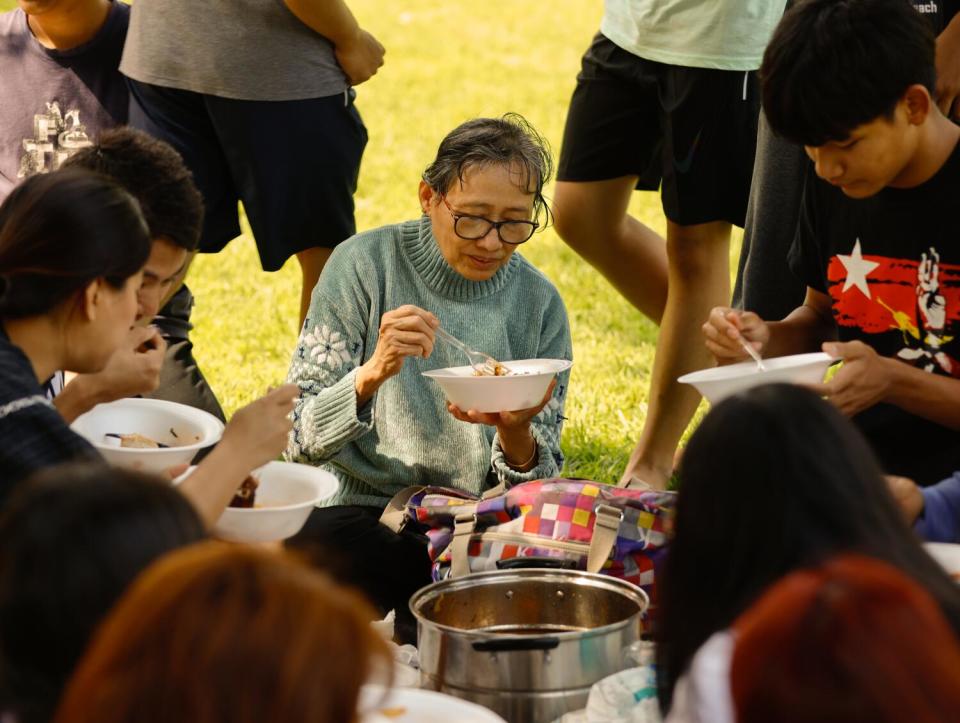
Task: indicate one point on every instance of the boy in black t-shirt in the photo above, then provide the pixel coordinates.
(877, 243)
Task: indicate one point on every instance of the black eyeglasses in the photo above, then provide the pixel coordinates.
(471, 228)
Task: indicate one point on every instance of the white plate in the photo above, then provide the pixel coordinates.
(420, 706)
(153, 418)
(523, 389)
(720, 382)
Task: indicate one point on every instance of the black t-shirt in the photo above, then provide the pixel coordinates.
(891, 265)
(933, 10)
(55, 102)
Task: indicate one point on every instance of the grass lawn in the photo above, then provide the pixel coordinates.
(445, 63)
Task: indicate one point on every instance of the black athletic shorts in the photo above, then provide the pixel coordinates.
(294, 164)
(692, 129)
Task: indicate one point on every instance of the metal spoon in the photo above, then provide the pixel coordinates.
(754, 354)
(483, 364)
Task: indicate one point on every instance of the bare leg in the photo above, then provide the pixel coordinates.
(699, 280)
(312, 262)
(591, 217)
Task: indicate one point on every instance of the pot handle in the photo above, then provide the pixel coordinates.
(552, 563)
(503, 645)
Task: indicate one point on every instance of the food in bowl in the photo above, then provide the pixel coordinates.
(246, 495)
(522, 388)
(499, 370)
(286, 493)
(132, 441)
(151, 435)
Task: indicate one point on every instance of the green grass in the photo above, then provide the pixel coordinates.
(445, 63)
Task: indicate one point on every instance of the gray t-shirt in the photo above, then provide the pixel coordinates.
(54, 102)
(241, 49)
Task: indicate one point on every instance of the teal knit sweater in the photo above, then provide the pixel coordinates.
(405, 435)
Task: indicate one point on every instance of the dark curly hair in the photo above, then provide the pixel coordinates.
(154, 173)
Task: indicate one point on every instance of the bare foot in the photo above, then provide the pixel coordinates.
(638, 476)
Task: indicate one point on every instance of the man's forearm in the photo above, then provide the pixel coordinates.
(804, 330)
(931, 396)
(330, 18)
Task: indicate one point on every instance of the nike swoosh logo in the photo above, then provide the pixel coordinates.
(684, 165)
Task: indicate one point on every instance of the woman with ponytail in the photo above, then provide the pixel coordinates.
(72, 246)
(72, 249)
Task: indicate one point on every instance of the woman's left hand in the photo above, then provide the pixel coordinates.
(513, 428)
(503, 421)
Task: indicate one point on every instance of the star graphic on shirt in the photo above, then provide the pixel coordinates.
(858, 268)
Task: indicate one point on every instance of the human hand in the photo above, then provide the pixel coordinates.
(724, 329)
(361, 57)
(933, 305)
(134, 368)
(907, 495)
(513, 429)
(404, 332)
(948, 70)
(505, 422)
(258, 432)
(862, 381)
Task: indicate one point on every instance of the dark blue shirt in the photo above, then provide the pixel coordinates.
(33, 435)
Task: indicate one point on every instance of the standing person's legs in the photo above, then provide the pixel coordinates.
(699, 280)
(179, 118)
(592, 218)
(611, 146)
(311, 261)
(710, 131)
(296, 164)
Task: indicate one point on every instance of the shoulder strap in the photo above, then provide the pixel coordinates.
(395, 513)
(605, 531)
(464, 525)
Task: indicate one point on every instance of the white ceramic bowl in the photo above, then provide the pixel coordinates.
(947, 554)
(153, 418)
(285, 496)
(720, 382)
(522, 389)
(413, 705)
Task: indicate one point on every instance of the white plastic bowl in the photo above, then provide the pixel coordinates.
(947, 554)
(285, 497)
(153, 418)
(720, 382)
(522, 389)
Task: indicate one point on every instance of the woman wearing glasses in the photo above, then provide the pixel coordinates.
(366, 413)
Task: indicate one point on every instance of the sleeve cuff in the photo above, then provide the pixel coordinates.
(546, 462)
(940, 520)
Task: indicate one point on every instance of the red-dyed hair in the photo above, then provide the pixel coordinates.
(225, 634)
(853, 640)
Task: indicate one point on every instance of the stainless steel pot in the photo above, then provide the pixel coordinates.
(527, 644)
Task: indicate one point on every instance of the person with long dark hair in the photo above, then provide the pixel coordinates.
(72, 249)
(773, 480)
(72, 538)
